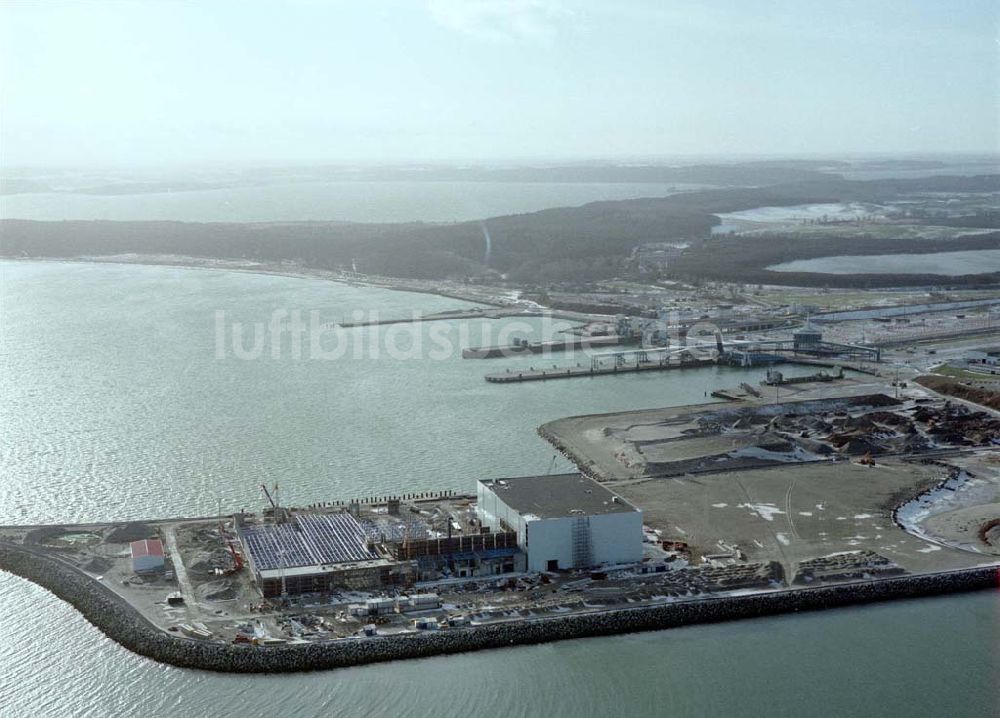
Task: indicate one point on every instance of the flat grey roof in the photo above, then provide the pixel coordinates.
(557, 496)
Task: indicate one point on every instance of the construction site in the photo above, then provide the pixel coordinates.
(877, 463)
(822, 480)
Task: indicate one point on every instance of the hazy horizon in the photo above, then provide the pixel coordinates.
(483, 82)
(540, 161)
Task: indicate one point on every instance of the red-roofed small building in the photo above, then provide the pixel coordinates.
(147, 555)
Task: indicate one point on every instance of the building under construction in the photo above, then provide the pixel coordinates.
(393, 542)
(306, 552)
(376, 544)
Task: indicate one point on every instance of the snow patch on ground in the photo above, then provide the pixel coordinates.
(719, 506)
(765, 511)
(941, 498)
(956, 492)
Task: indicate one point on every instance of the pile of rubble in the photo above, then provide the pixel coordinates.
(210, 562)
(221, 590)
(958, 425)
(206, 551)
(872, 433)
(989, 533)
(128, 532)
(306, 625)
(710, 579)
(845, 566)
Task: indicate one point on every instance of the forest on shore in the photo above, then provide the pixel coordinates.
(585, 243)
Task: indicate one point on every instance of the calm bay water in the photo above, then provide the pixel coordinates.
(952, 264)
(343, 201)
(115, 406)
(929, 657)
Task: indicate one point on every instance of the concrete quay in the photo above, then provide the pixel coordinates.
(476, 313)
(554, 345)
(511, 377)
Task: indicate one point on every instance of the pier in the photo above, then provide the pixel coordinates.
(554, 345)
(595, 369)
(476, 313)
(437, 316)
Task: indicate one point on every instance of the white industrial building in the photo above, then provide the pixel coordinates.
(987, 357)
(562, 521)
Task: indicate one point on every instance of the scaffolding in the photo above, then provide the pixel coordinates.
(582, 549)
(410, 549)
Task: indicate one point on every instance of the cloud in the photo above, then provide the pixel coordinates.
(520, 20)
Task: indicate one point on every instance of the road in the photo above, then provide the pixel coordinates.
(187, 590)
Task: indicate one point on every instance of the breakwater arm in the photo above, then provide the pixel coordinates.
(123, 624)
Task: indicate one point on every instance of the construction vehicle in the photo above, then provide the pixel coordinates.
(237, 558)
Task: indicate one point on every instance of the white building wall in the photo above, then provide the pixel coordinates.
(614, 538)
(549, 539)
(491, 511)
(983, 357)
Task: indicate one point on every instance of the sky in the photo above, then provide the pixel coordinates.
(157, 82)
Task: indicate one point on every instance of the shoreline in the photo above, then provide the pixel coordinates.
(394, 284)
(122, 623)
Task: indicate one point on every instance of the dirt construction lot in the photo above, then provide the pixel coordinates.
(793, 513)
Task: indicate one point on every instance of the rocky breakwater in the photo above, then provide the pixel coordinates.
(584, 466)
(119, 621)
